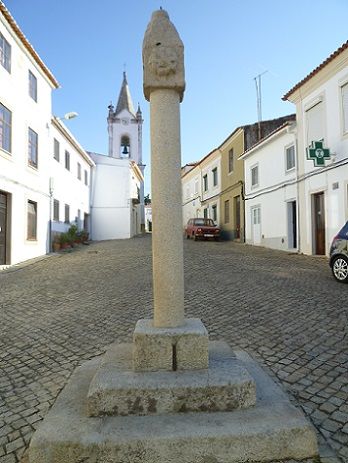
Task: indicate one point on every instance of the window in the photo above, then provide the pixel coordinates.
(290, 157)
(79, 171)
(32, 148)
(315, 123)
(56, 149)
(32, 86)
(254, 176)
(67, 160)
(214, 212)
(67, 214)
(205, 212)
(86, 177)
(215, 176)
(5, 53)
(56, 210)
(344, 95)
(5, 128)
(205, 182)
(32, 220)
(230, 160)
(227, 211)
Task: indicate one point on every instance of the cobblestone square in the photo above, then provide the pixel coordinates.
(286, 310)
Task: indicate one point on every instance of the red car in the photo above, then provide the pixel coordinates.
(202, 228)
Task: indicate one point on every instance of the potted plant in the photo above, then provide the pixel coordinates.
(56, 245)
(64, 241)
(72, 235)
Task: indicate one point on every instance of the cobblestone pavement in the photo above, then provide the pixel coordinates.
(285, 310)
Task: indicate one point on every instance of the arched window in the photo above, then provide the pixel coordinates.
(125, 147)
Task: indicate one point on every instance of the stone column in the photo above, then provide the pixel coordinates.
(169, 341)
(163, 57)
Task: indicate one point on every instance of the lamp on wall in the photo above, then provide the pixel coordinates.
(68, 116)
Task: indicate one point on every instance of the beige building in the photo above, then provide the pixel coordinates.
(232, 184)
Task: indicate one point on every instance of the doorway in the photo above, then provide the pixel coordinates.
(292, 225)
(3, 227)
(237, 216)
(256, 224)
(319, 223)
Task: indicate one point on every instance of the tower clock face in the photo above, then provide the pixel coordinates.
(125, 121)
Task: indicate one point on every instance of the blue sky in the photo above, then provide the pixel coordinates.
(227, 43)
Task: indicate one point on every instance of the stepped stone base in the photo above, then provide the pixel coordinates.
(181, 348)
(117, 390)
(272, 430)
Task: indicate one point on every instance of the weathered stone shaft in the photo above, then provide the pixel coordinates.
(167, 235)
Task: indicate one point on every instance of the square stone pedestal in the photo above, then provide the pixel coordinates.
(170, 349)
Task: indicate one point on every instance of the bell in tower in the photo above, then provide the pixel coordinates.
(125, 147)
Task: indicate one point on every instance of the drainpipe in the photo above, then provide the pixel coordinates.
(51, 188)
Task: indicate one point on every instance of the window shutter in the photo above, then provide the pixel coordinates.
(315, 123)
(344, 90)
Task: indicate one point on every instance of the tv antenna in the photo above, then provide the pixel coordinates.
(257, 80)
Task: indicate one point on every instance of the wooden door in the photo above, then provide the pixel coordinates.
(3, 220)
(237, 215)
(319, 223)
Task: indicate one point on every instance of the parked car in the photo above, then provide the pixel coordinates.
(202, 228)
(339, 255)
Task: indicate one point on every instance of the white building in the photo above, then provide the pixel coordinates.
(321, 101)
(46, 177)
(70, 180)
(148, 217)
(271, 190)
(115, 198)
(201, 187)
(25, 119)
(191, 192)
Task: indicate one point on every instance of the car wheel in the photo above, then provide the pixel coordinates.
(340, 269)
(195, 237)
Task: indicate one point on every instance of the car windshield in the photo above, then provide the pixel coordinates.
(344, 231)
(204, 222)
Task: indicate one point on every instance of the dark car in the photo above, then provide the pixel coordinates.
(202, 228)
(339, 255)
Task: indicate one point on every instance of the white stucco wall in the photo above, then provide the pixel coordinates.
(276, 188)
(17, 179)
(333, 181)
(191, 195)
(67, 188)
(210, 197)
(195, 199)
(112, 211)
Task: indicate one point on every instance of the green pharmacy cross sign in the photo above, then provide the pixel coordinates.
(318, 153)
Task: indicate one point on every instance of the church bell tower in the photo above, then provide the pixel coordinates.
(125, 134)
